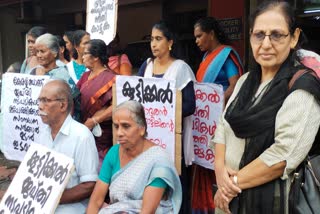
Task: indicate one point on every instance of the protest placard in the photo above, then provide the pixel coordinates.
(102, 19)
(209, 106)
(158, 96)
(19, 107)
(38, 183)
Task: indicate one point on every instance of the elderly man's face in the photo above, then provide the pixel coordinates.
(44, 55)
(50, 105)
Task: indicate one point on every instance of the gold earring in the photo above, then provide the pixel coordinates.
(170, 48)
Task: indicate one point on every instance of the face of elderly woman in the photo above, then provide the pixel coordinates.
(44, 55)
(127, 131)
(88, 59)
(271, 40)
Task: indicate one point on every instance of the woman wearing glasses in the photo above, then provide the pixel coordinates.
(95, 87)
(262, 135)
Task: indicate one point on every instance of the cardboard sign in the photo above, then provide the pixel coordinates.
(19, 106)
(209, 106)
(38, 183)
(158, 96)
(102, 19)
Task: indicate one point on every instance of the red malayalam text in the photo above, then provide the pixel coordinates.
(203, 139)
(156, 111)
(203, 96)
(203, 128)
(207, 154)
(203, 113)
(159, 143)
(156, 122)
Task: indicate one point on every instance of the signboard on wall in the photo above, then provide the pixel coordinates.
(102, 19)
(232, 27)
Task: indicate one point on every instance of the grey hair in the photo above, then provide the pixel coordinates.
(137, 113)
(50, 41)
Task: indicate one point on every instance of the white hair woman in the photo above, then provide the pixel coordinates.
(47, 51)
(140, 176)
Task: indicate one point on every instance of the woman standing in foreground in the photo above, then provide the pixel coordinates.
(267, 129)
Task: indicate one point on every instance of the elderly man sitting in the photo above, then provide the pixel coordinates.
(71, 138)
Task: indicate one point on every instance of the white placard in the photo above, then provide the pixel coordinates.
(158, 96)
(38, 183)
(209, 106)
(19, 106)
(102, 19)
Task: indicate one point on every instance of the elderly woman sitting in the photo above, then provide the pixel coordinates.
(140, 175)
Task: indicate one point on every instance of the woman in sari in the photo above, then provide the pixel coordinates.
(138, 174)
(221, 65)
(76, 67)
(95, 87)
(31, 61)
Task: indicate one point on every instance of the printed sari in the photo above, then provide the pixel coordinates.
(128, 184)
(203, 179)
(96, 93)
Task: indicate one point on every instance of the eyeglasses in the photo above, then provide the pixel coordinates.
(45, 100)
(86, 52)
(275, 37)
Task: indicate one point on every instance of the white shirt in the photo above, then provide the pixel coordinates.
(76, 141)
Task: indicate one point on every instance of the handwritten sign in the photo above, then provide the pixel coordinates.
(102, 19)
(158, 96)
(19, 105)
(38, 183)
(209, 105)
(232, 27)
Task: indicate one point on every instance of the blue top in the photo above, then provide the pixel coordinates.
(111, 165)
(228, 70)
(78, 69)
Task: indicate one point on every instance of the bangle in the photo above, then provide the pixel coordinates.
(235, 180)
(95, 122)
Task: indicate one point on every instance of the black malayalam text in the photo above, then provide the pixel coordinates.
(47, 167)
(17, 207)
(100, 10)
(20, 146)
(35, 191)
(148, 93)
(25, 81)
